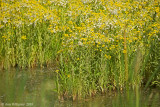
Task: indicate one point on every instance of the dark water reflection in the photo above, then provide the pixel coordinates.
(36, 88)
(150, 98)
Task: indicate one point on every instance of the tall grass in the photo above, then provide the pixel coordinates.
(98, 45)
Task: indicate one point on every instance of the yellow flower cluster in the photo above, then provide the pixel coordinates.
(26, 12)
(86, 23)
(102, 24)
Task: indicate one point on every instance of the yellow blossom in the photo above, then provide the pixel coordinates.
(23, 37)
(57, 71)
(107, 56)
(4, 36)
(124, 51)
(68, 76)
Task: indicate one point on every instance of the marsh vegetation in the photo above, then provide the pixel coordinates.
(96, 46)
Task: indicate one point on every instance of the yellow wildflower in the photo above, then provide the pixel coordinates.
(4, 36)
(23, 37)
(107, 56)
(57, 71)
(68, 75)
(52, 31)
(124, 51)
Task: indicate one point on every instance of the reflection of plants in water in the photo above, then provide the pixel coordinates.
(27, 87)
(146, 99)
(13, 87)
(43, 94)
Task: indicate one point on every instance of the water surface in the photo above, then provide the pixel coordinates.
(36, 88)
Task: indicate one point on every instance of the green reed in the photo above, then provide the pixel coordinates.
(37, 48)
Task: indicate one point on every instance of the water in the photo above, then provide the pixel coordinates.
(36, 88)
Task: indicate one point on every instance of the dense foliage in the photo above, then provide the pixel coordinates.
(98, 44)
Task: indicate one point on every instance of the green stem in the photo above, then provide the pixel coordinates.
(125, 56)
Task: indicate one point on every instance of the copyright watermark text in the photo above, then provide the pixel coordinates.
(16, 104)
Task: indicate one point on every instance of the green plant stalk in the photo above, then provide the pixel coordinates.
(125, 57)
(137, 95)
(150, 79)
